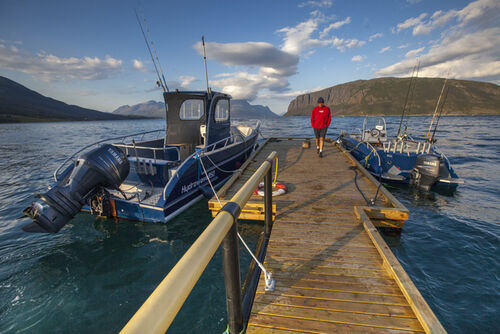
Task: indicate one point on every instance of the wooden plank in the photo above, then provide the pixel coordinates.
(308, 325)
(335, 316)
(336, 305)
(386, 213)
(418, 304)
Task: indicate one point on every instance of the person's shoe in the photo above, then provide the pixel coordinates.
(317, 150)
(321, 154)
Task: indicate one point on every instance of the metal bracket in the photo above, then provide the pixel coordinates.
(233, 208)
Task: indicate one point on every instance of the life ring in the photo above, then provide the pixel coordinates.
(278, 189)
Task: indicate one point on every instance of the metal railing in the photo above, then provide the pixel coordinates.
(160, 309)
(56, 172)
(133, 149)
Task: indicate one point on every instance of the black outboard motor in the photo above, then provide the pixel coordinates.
(426, 171)
(105, 166)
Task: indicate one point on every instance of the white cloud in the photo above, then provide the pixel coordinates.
(274, 67)
(343, 44)
(387, 48)
(466, 49)
(412, 53)
(298, 38)
(268, 68)
(312, 3)
(480, 9)
(377, 35)
(139, 65)
(358, 58)
(411, 22)
(49, 67)
(186, 80)
(466, 56)
(252, 54)
(335, 25)
(403, 46)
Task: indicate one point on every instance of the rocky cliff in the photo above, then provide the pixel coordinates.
(387, 96)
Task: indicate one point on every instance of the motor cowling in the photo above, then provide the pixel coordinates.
(106, 166)
(425, 173)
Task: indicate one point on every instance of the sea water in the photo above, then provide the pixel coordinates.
(94, 274)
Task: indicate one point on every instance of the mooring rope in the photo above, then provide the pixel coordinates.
(270, 283)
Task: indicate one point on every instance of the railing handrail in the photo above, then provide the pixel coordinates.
(160, 309)
(99, 142)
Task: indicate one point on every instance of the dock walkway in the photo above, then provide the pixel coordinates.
(333, 271)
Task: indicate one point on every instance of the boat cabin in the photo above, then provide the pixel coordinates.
(194, 121)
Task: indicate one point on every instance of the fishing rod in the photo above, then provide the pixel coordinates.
(412, 100)
(440, 113)
(406, 101)
(153, 46)
(436, 110)
(205, 60)
(160, 82)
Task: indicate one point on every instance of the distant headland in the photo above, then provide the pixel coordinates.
(386, 96)
(21, 104)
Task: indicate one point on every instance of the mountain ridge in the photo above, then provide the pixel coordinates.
(387, 96)
(21, 104)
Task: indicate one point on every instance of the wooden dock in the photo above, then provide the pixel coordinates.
(334, 273)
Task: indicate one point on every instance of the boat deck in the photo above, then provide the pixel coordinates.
(333, 271)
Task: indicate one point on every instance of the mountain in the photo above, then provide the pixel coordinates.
(239, 109)
(151, 109)
(243, 109)
(387, 96)
(20, 104)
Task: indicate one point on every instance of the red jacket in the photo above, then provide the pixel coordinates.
(320, 117)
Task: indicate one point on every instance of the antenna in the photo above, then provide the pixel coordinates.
(162, 84)
(205, 59)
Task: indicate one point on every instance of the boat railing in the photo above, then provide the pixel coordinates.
(132, 150)
(207, 149)
(405, 146)
(162, 306)
(122, 138)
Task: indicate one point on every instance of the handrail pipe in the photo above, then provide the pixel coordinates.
(161, 307)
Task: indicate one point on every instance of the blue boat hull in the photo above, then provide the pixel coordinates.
(396, 167)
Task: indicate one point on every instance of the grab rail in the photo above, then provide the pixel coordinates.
(160, 309)
(99, 142)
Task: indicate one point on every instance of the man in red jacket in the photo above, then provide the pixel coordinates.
(320, 120)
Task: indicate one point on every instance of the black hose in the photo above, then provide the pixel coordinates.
(378, 188)
(357, 186)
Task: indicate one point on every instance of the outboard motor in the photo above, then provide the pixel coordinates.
(426, 171)
(105, 166)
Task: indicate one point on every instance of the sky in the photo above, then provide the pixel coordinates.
(92, 53)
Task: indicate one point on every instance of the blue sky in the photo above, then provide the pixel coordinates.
(91, 53)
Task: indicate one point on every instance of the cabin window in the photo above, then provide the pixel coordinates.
(191, 110)
(222, 110)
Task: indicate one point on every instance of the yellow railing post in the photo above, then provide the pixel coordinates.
(161, 307)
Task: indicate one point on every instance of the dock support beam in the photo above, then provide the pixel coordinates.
(231, 261)
(268, 202)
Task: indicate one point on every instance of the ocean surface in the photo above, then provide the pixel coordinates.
(94, 274)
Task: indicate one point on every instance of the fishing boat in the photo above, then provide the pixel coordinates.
(402, 159)
(151, 180)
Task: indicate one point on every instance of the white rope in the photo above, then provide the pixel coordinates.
(270, 283)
